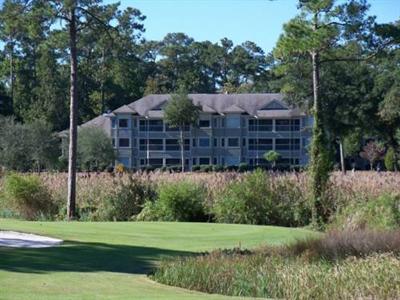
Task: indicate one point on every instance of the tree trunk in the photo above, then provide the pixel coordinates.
(12, 76)
(182, 150)
(73, 128)
(343, 167)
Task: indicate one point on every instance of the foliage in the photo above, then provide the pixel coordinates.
(372, 152)
(126, 200)
(120, 169)
(95, 150)
(180, 201)
(380, 213)
(272, 157)
(390, 160)
(27, 196)
(245, 202)
(278, 273)
(30, 146)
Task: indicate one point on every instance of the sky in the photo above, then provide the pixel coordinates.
(259, 21)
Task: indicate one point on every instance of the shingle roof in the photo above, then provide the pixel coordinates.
(217, 103)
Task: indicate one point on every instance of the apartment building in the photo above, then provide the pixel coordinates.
(232, 129)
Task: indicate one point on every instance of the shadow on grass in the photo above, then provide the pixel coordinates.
(83, 257)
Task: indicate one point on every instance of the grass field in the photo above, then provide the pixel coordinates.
(111, 260)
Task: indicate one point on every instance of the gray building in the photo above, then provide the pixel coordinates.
(232, 129)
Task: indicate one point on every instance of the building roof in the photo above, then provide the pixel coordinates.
(252, 104)
(257, 105)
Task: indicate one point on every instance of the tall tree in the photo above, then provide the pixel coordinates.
(180, 112)
(315, 34)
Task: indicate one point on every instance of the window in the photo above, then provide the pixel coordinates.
(222, 160)
(215, 161)
(151, 125)
(113, 142)
(204, 142)
(287, 125)
(123, 142)
(204, 160)
(172, 161)
(204, 123)
(233, 121)
(215, 142)
(153, 145)
(156, 162)
(233, 142)
(244, 142)
(222, 122)
(260, 144)
(123, 123)
(222, 142)
(287, 144)
(113, 123)
(194, 161)
(215, 122)
(260, 125)
(194, 142)
(173, 145)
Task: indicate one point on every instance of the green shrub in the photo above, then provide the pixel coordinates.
(28, 197)
(125, 202)
(196, 168)
(205, 168)
(390, 160)
(260, 199)
(218, 168)
(244, 202)
(380, 213)
(180, 201)
(243, 167)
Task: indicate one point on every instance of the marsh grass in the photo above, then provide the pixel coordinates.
(340, 265)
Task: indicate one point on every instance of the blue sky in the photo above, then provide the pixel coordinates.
(259, 21)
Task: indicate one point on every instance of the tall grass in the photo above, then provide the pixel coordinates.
(349, 265)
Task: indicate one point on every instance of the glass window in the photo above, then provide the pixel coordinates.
(215, 122)
(194, 161)
(260, 144)
(204, 160)
(156, 162)
(172, 161)
(287, 144)
(222, 122)
(204, 123)
(113, 142)
(244, 142)
(113, 123)
(233, 142)
(215, 142)
(232, 160)
(123, 142)
(215, 161)
(194, 142)
(174, 145)
(222, 142)
(204, 142)
(151, 125)
(260, 125)
(282, 125)
(233, 121)
(123, 123)
(153, 144)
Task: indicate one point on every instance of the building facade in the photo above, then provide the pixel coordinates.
(232, 129)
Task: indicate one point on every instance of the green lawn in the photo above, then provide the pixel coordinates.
(111, 260)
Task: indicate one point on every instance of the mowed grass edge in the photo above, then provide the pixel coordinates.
(110, 260)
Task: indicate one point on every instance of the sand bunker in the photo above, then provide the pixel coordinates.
(26, 240)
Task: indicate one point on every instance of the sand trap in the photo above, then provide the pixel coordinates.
(26, 240)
